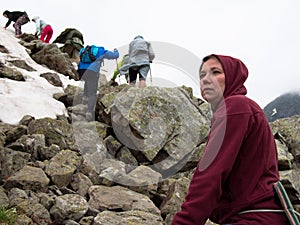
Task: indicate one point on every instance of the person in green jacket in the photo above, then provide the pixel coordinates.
(120, 70)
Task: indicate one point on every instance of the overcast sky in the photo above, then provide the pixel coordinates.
(265, 34)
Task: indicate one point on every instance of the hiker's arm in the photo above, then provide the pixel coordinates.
(151, 53)
(8, 23)
(111, 54)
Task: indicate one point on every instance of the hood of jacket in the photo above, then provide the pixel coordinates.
(6, 12)
(236, 73)
(138, 37)
(35, 18)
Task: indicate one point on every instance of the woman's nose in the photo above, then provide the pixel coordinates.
(205, 79)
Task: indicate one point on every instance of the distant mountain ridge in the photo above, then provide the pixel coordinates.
(286, 105)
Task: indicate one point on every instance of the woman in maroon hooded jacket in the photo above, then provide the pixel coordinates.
(239, 165)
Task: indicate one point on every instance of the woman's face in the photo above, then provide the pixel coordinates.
(212, 81)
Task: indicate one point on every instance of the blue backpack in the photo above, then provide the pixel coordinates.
(88, 54)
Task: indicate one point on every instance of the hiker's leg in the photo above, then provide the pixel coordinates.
(142, 83)
(85, 88)
(21, 21)
(17, 27)
(143, 71)
(132, 75)
(43, 35)
(92, 86)
(47, 34)
(81, 73)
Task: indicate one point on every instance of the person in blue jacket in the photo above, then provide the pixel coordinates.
(89, 72)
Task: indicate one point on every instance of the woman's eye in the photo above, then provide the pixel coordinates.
(202, 75)
(216, 72)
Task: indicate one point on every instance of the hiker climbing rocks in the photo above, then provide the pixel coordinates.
(121, 70)
(233, 182)
(20, 18)
(73, 42)
(43, 30)
(89, 70)
(140, 56)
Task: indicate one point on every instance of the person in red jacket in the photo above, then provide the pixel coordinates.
(239, 165)
(43, 29)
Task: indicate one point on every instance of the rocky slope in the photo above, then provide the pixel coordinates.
(132, 164)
